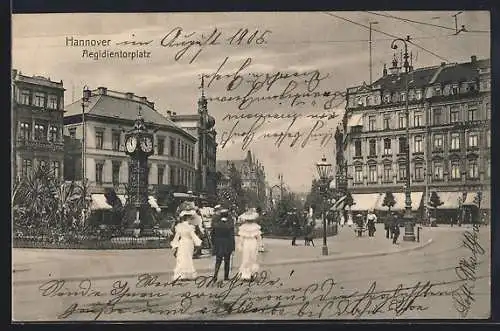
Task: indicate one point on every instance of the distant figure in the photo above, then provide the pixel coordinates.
(342, 219)
(223, 242)
(349, 219)
(371, 219)
(309, 235)
(395, 231)
(295, 228)
(249, 240)
(388, 225)
(184, 242)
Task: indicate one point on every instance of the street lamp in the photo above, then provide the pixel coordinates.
(323, 172)
(85, 100)
(408, 217)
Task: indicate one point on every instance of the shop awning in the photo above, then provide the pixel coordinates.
(99, 202)
(472, 200)
(449, 200)
(400, 197)
(355, 120)
(183, 195)
(365, 201)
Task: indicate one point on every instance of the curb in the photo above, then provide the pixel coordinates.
(202, 270)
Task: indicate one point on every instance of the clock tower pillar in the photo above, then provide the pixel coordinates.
(138, 146)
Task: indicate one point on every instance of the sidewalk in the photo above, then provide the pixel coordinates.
(38, 264)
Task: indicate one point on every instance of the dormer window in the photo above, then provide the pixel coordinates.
(437, 90)
(387, 98)
(411, 95)
(454, 89)
(419, 94)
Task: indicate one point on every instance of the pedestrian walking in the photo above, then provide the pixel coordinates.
(223, 242)
(388, 225)
(249, 240)
(309, 235)
(371, 220)
(395, 231)
(295, 228)
(184, 242)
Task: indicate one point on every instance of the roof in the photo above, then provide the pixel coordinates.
(457, 73)
(37, 80)
(222, 165)
(420, 77)
(115, 107)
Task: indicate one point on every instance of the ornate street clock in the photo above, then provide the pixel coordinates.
(139, 146)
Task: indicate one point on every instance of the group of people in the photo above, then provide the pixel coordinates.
(186, 242)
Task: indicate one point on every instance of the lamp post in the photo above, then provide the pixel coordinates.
(323, 172)
(85, 100)
(408, 217)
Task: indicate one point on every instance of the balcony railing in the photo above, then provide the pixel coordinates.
(40, 145)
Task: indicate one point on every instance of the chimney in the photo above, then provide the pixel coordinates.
(443, 64)
(144, 99)
(169, 113)
(14, 73)
(174, 113)
(102, 90)
(129, 95)
(473, 59)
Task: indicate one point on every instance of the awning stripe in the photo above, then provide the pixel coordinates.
(365, 201)
(355, 120)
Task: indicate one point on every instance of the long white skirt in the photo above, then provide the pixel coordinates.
(249, 251)
(184, 266)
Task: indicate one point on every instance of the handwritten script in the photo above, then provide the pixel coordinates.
(463, 297)
(204, 297)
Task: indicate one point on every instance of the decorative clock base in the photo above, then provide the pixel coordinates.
(146, 220)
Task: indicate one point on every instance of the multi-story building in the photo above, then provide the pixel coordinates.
(108, 115)
(201, 125)
(449, 132)
(37, 124)
(252, 174)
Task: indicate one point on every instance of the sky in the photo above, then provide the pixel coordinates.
(290, 54)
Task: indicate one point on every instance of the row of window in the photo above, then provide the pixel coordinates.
(178, 148)
(418, 117)
(38, 131)
(418, 171)
(400, 96)
(38, 99)
(178, 175)
(418, 143)
(27, 167)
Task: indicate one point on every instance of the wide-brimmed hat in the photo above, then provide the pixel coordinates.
(249, 216)
(187, 212)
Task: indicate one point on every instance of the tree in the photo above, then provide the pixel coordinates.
(389, 200)
(435, 202)
(349, 201)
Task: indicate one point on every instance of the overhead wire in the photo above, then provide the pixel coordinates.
(423, 23)
(387, 34)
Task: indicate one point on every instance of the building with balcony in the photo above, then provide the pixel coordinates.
(37, 124)
(449, 132)
(108, 115)
(201, 125)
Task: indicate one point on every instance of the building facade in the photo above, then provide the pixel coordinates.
(37, 124)
(252, 174)
(449, 131)
(108, 115)
(201, 126)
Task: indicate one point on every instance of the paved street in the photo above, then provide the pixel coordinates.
(390, 284)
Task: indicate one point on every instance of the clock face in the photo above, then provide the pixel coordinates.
(131, 144)
(146, 144)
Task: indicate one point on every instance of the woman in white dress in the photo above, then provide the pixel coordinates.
(184, 242)
(249, 242)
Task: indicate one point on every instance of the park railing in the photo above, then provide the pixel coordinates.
(97, 239)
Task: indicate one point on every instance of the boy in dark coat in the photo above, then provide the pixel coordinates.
(223, 241)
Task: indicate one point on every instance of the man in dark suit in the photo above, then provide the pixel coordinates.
(223, 241)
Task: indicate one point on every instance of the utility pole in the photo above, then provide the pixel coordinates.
(370, 46)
